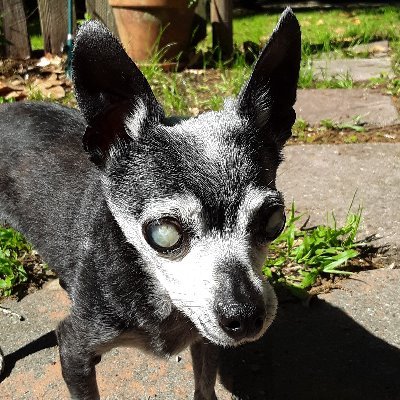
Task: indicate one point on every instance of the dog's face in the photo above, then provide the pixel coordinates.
(196, 197)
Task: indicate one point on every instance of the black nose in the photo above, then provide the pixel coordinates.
(241, 321)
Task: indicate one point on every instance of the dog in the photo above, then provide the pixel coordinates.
(159, 229)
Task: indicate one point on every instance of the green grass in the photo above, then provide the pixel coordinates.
(322, 31)
(5, 100)
(333, 31)
(356, 125)
(13, 248)
(37, 42)
(299, 256)
(326, 30)
(187, 94)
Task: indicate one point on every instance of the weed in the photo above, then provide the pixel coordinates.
(299, 256)
(356, 125)
(13, 247)
(351, 139)
(299, 128)
(35, 94)
(306, 77)
(5, 100)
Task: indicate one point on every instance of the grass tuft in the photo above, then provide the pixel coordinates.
(300, 256)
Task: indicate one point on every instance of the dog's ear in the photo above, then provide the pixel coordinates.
(270, 93)
(109, 89)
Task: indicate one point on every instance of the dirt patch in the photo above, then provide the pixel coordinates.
(320, 135)
(38, 273)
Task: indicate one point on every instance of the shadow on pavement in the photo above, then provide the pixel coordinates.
(43, 342)
(313, 353)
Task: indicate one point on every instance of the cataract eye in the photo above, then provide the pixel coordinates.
(164, 234)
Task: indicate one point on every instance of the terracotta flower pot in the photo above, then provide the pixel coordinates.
(147, 26)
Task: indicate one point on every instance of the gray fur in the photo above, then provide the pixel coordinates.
(87, 216)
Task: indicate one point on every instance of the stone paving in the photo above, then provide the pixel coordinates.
(358, 69)
(370, 107)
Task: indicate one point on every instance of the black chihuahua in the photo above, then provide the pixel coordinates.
(158, 231)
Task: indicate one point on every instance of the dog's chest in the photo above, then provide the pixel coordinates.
(166, 338)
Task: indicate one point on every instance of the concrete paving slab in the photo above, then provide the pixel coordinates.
(358, 69)
(344, 105)
(324, 178)
(379, 48)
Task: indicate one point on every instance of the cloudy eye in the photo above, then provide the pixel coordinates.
(275, 225)
(164, 234)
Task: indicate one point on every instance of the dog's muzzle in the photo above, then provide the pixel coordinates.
(239, 305)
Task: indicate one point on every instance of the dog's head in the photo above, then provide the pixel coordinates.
(195, 197)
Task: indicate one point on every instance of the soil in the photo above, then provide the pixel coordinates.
(321, 135)
(37, 275)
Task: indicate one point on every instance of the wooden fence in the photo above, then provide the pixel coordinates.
(53, 15)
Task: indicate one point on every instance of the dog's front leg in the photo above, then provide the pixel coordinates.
(205, 365)
(77, 361)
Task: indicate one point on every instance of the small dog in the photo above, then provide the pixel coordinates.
(159, 235)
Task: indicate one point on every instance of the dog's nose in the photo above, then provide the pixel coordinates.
(241, 321)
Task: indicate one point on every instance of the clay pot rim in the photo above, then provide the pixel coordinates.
(149, 3)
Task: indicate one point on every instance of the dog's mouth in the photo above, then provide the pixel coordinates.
(235, 336)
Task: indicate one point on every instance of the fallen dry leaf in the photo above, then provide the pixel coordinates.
(44, 62)
(16, 95)
(378, 48)
(49, 59)
(6, 88)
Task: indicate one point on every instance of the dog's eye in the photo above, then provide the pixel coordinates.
(164, 234)
(275, 225)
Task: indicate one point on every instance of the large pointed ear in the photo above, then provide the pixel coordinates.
(270, 93)
(109, 89)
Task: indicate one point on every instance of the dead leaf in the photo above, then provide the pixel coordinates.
(378, 48)
(55, 92)
(194, 111)
(44, 62)
(16, 95)
(6, 88)
(18, 82)
(49, 59)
